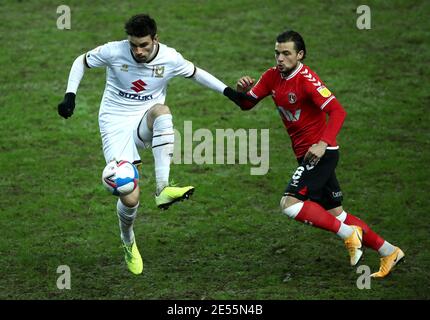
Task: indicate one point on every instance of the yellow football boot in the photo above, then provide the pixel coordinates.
(388, 263)
(170, 195)
(354, 243)
(133, 258)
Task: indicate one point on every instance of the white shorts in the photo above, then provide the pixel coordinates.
(123, 135)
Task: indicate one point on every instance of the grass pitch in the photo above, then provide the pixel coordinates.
(230, 241)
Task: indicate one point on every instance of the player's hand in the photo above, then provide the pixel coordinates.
(66, 107)
(315, 153)
(244, 84)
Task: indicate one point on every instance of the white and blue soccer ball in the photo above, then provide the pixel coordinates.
(120, 177)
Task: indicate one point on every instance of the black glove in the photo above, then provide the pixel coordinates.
(238, 97)
(66, 107)
(233, 95)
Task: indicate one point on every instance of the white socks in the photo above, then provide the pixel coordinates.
(126, 217)
(386, 249)
(163, 139)
(342, 216)
(344, 231)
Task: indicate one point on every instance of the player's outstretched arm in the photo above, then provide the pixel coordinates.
(244, 101)
(206, 79)
(67, 106)
(241, 97)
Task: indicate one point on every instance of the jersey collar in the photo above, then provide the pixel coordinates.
(155, 55)
(298, 68)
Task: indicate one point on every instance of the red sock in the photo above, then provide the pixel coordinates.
(370, 238)
(316, 215)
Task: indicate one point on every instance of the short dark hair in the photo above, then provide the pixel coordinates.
(141, 25)
(295, 37)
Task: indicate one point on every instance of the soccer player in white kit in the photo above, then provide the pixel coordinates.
(133, 114)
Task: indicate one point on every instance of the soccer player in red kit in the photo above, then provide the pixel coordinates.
(313, 194)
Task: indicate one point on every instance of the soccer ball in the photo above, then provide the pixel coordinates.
(120, 177)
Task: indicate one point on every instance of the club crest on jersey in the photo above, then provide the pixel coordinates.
(158, 71)
(324, 91)
(124, 68)
(292, 98)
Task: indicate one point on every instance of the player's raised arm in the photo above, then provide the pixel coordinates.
(98, 57)
(67, 106)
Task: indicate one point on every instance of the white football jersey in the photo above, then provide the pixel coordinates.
(133, 87)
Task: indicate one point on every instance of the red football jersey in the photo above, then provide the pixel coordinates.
(303, 103)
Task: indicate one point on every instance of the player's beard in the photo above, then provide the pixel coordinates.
(141, 59)
(285, 72)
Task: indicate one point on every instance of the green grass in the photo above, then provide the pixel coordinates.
(230, 241)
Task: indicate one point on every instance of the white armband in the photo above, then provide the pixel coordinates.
(205, 78)
(76, 73)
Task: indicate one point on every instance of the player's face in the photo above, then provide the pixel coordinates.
(142, 47)
(286, 56)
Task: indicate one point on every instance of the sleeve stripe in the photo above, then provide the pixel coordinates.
(327, 101)
(194, 72)
(86, 62)
(253, 94)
